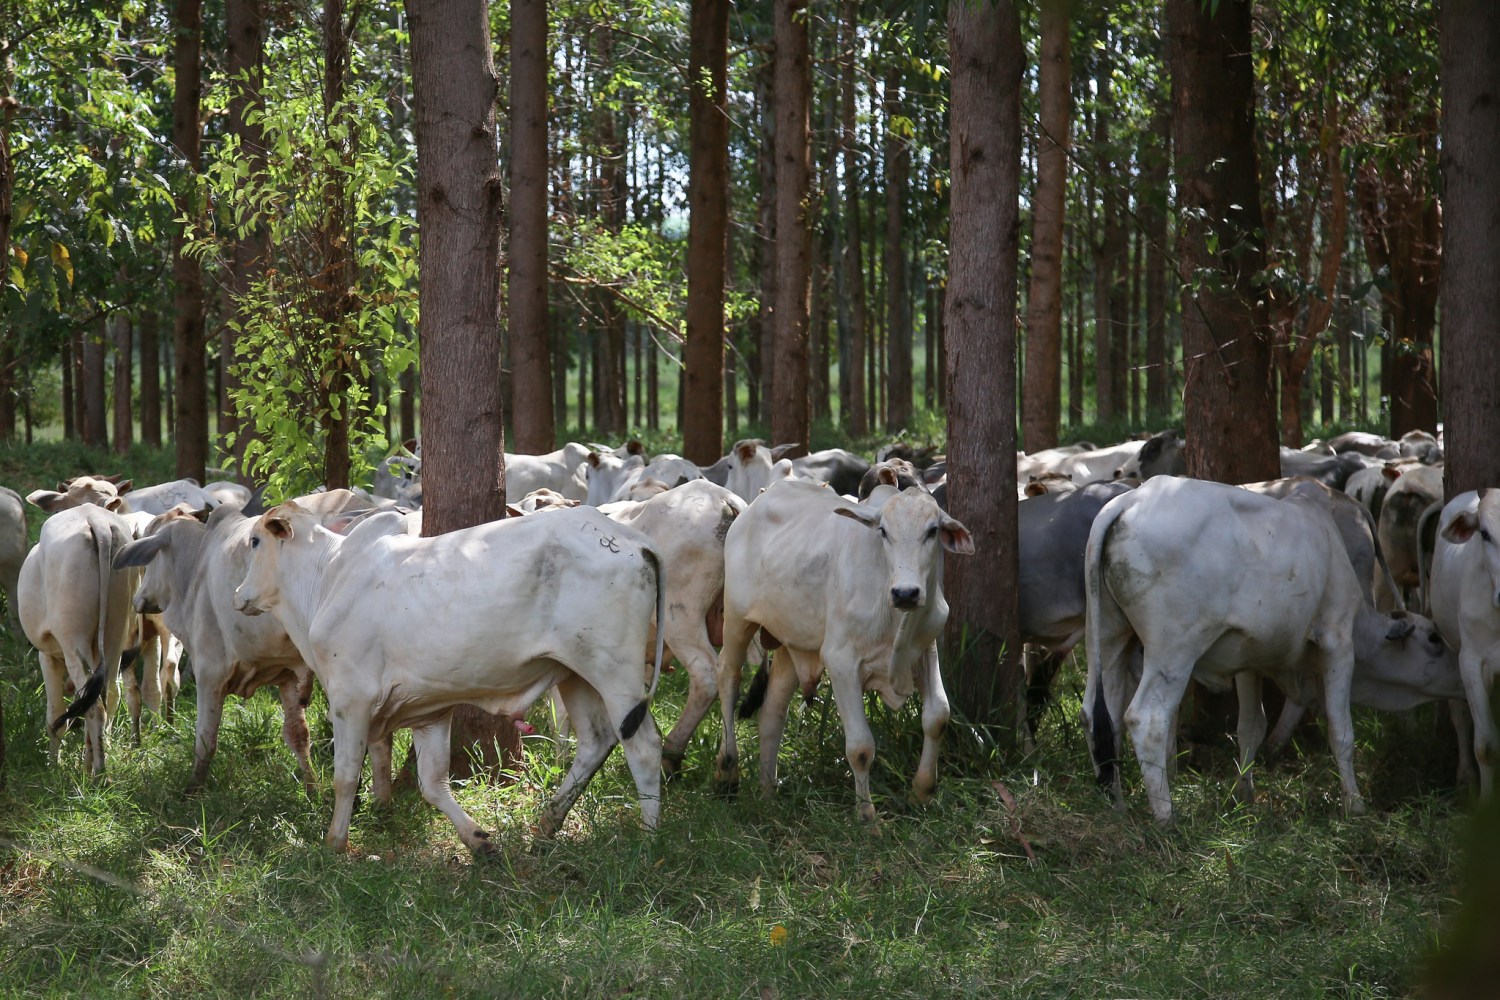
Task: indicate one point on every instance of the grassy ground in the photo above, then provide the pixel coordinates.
(128, 887)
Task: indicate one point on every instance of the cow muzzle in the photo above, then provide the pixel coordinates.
(245, 605)
(146, 606)
(906, 598)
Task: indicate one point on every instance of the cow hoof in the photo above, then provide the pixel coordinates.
(481, 846)
(1355, 807)
(671, 762)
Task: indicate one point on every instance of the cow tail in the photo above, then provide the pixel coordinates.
(637, 715)
(755, 695)
(85, 700)
(1385, 570)
(1100, 604)
(1426, 528)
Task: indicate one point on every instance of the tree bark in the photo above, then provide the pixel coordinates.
(458, 215)
(1108, 251)
(1154, 199)
(9, 362)
(791, 412)
(708, 220)
(245, 22)
(1229, 398)
(763, 351)
(95, 421)
(981, 644)
(120, 340)
(1041, 400)
(897, 308)
(852, 376)
(190, 400)
(1469, 31)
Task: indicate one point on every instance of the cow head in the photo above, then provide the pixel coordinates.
(607, 474)
(750, 464)
(1484, 521)
(284, 523)
(1404, 651)
(912, 529)
(102, 491)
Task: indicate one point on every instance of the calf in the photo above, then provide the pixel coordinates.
(1413, 490)
(1216, 583)
(75, 610)
(853, 588)
(400, 629)
(560, 470)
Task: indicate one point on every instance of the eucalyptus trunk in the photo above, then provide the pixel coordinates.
(791, 412)
(852, 375)
(191, 395)
(897, 308)
(530, 337)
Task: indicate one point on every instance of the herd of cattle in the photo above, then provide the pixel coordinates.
(820, 564)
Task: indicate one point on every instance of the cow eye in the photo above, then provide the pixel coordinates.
(255, 541)
(932, 532)
(1484, 533)
(881, 528)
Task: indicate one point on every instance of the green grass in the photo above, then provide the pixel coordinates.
(230, 893)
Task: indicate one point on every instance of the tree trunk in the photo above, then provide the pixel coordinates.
(120, 340)
(897, 308)
(1107, 253)
(1041, 400)
(985, 150)
(855, 408)
(458, 216)
(708, 220)
(191, 395)
(763, 351)
(9, 362)
(95, 415)
(1469, 31)
(1229, 398)
(791, 412)
(1153, 199)
(150, 350)
(335, 253)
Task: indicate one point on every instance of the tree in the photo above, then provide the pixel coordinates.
(897, 308)
(852, 366)
(1229, 398)
(1042, 393)
(191, 398)
(1470, 35)
(529, 330)
(982, 644)
(708, 218)
(791, 411)
(458, 213)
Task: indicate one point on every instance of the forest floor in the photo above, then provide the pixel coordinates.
(126, 886)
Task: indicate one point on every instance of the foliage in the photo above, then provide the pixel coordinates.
(291, 353)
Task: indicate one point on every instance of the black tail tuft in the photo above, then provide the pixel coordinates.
(633, 719)
(128, 658)
(85, 700)
(1104, 741)
(756, 696)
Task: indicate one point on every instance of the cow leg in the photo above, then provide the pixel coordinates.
(295, 692)
(150, 668)
(210, 712)
(643, 753)
(859, 742)
(1286, 724)
(1471, 668)
(596, 737)
(935, 714)
(1463, 732)
(132, 678)
(430, 744)
(1150, 719)
(351, 733)
(1338, 676)
(780, 688)
(737, 635)
(1252, 731)
(171, 677)
(382, 790)
(696, 655)
(55, 681)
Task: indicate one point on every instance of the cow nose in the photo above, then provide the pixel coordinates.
(243, 606)
(146, 606)
(905, 597)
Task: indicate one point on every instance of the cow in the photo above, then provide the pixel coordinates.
(14, 541)
(1465, 603)
(1045, 483)
(1052, 531)
(400, 629)
(75, 610)
(104, 490)
(687, 526)
(851, 588)
(1331, 470)
(1161, 455)
(1215, 582)
(897, 472)
(560, 470)
(1365, 443)
(1101, 463)
(1414, 487)
(612, 478)
(749, 465)
(838, 468)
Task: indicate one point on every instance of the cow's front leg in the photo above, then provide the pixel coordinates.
(935, 715)
(430, 744)
(859, 742)
(351, 732)
(773, 708)
(1251, 731)
(1338, 677)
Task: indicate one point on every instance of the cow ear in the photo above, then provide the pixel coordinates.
(514, 511)
(1149, 451)
(279, 527)
(63, 484)
(45, 499)
(634, 447)
(782, 449)
(204, 514)
(745, 451)
(887, 476)
(117, 504)
(1459, 531)
(1391, 472)
(142, 552)
(116, 479)
(1400, 629)
(956, 537)
(1034, 488)
(593, 460)
(864, 515)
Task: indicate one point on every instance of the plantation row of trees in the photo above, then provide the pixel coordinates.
(261, 155)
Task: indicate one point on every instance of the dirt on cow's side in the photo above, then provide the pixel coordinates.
(1020, 880)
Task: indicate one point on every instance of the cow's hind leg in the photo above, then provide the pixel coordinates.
(935, 714)
(696, 655)
(643, 753)
(1252, 731)
(55, 681)
(296, 691)
(737, 635)
(596, 737)
(780, 688)
(430, 744)
(1152, 713)
(1486, 746)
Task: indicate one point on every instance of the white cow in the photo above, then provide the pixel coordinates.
(13, 544)
(612, 478)
(1101, 463)
(75, 610)
(750, 467)
(1217, 583)
(400, 629)
(191, 572)
(560, 470)
(103, 490)
(853, 588)
(1465, 587)
(687, 525)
